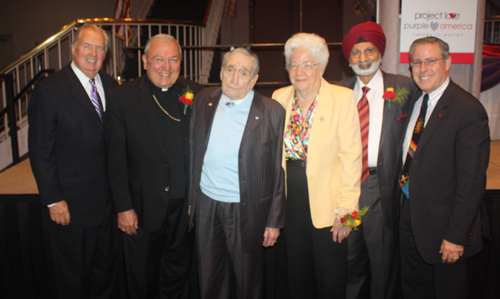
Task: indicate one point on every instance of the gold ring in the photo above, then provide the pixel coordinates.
(455, 258)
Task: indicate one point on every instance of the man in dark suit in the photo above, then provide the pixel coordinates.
(373, 263)
(67, 155)
(237, 189)
(147, 128)
(446, 152)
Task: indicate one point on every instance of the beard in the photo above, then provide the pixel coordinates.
(369, 71)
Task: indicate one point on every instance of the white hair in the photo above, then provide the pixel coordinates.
(315, 44)
(164, 37)
(96, 29)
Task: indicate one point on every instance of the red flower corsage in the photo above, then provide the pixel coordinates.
(186, 98)
(399, 96)
(352, 219)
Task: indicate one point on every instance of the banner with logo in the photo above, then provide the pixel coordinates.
(453, 21)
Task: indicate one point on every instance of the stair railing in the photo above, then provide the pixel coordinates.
(55, 53)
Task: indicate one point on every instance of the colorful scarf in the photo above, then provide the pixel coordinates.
(296, 136)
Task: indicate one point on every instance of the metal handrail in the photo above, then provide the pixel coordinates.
(10, 110)
(71, 26)
(231, 46)
(32, 82)
(27, 88)
(55, 52)
(63, 31)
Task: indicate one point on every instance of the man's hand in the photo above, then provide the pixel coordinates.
(339, 232)
(59, 213)
(450, 253)
(270, 236)
(127, 222)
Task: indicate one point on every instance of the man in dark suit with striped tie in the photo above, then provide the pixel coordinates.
(67, 155)
(237, 182)
(373, 252)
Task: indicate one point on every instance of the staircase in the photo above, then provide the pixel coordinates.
(199, 28)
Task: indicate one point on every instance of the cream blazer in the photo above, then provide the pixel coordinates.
(334, 155)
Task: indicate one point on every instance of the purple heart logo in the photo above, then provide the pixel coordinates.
(434, 25)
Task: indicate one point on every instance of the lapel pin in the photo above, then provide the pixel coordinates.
(401, 117)
(256, 117)
(210, 104)
(440, 115)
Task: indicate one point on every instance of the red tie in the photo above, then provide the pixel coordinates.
(364, 121)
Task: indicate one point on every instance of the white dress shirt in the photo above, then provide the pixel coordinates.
(431, 104)
(376, 103)
(88, 87)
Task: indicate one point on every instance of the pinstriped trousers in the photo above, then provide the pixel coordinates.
(220, 254)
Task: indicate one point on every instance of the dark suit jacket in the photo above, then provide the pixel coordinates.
(262, 196)
(66, 146)
(138, 172)
(393, 125)
(448, 175)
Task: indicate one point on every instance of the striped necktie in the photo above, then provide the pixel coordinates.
(96, 99)
(404, 183)
(364, 121)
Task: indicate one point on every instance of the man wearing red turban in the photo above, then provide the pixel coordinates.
(383, 101)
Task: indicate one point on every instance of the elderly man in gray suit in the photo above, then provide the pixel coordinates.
(237, 183)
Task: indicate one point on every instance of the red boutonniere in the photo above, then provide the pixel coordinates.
(186, 98)
(389, 94)
(353, 219)
(399, 96)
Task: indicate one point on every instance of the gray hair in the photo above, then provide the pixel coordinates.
(315, 44)
(163, 37)
(247, 53)
(444, 47)
(95, 28)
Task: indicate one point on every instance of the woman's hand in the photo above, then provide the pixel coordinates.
(340, 233)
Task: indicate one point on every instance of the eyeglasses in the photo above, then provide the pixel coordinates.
(162, 61)
(427, 62)
(368, 52)
(306, 66)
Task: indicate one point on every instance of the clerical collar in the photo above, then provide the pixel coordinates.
(155, 89)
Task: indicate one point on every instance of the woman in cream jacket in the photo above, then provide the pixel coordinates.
(322, 159)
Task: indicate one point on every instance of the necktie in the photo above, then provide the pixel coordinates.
(96, 99)
(364, 121)
(417, 132)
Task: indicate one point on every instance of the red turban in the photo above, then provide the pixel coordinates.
(368, 31)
